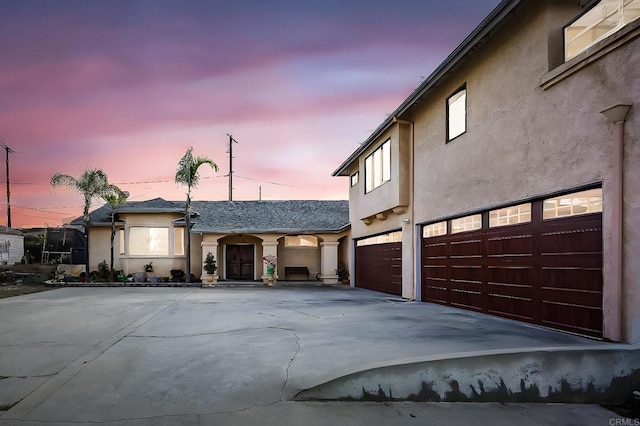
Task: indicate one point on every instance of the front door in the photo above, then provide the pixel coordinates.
(240, 264)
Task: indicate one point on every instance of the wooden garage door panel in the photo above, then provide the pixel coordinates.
(379, 267)
(546, 272)
(512, 274)
(572, 278)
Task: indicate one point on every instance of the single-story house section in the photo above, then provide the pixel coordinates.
(308, 237)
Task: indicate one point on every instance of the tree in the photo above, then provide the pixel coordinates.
(187, 174)
(114, 196)
(92, 183)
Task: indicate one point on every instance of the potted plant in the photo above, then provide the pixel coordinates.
(343, 274)
(148, 271)
(210, 268)
(271, 262)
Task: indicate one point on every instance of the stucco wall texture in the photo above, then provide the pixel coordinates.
(526, 139)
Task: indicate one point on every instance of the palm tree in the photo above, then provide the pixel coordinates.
(92, 183)
(114, 196)
(187, 174)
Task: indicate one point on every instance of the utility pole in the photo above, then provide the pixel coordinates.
(231, 141)
(7, 152)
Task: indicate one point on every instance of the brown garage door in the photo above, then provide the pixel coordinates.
(546, 272)
(379, 267)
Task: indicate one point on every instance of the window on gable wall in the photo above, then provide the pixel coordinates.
(457, 113)
(354, 178)
(597, 23)
(377, 166)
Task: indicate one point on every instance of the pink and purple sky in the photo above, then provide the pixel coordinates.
(127, 86)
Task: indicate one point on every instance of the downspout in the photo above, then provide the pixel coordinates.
(613, 325)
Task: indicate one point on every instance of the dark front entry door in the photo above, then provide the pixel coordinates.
(240, 262)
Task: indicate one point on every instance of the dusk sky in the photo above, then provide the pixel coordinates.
(127, 86)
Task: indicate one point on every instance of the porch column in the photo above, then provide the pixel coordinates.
(209, 246)
(269, 247)
(329, 261)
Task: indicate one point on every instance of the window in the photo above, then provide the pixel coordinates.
(602, 20)
(467, 223)
(377, 166)
(577, 203)
(300, 241)
(434, 230)
(457, 113)
(510, 215)
(121, 238)
(178, 241)
(354, 179)
(392, 237)
(145, 241)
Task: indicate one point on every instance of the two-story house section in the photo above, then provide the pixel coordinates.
(514, 174)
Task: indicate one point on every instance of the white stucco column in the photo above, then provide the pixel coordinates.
(612, 291)
(269, 247)
(329, 262)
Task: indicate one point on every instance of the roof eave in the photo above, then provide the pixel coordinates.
(490, 23)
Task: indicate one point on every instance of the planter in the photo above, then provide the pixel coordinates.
(209, 280)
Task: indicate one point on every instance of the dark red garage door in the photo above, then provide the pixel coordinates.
(546, 272)
(379, 267)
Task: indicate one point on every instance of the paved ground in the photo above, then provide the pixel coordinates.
(238, 355)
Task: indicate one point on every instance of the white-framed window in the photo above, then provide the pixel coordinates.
(510, 215)
(435, 229)
(148, 241)
(577, 203)
(597, 23)
(457, 113)
(354, 178)
(121, 240)
(391, 237)
(467, 223)
(178, 241)
(377, 166)
(300, 241)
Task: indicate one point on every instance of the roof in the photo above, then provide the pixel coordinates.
(498, 16)
(291, 216)
(102, 215)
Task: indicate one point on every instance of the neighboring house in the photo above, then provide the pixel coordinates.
(11, 246)
(497, 185)
(304, 236)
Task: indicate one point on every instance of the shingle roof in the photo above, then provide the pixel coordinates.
(270, 216)
(291, 216)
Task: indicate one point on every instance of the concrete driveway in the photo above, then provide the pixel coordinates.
(239, 355)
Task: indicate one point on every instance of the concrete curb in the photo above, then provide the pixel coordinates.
(556, 374)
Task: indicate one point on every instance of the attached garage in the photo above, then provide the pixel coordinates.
(539, 262)
(379, 263)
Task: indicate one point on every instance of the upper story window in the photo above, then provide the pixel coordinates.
(354, 178)
(597, 23)
(377, 167)
(457, 113)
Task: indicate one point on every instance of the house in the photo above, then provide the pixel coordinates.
(508, 183)
(11, 246)
(308, 237)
